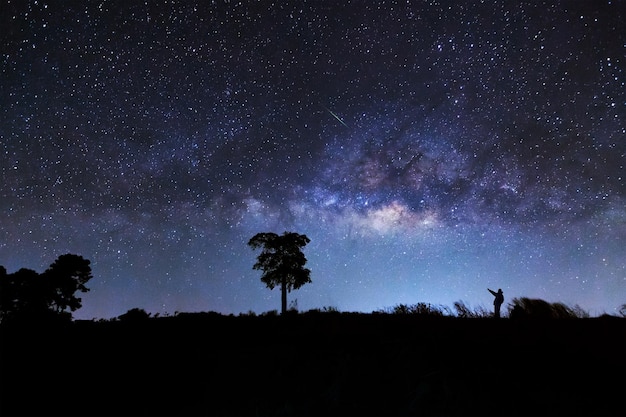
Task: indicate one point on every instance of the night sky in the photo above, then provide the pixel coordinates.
(429, 149)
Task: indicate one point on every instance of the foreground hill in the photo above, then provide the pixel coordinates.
(316, 364)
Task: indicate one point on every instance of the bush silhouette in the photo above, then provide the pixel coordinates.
(134, 314)
(419, 309)
(524, 307)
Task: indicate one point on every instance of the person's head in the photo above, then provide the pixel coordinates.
(500, 290)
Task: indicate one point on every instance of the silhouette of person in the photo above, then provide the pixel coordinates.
(497, 301)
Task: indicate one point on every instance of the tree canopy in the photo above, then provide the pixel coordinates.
(282, 261)
(26, 293)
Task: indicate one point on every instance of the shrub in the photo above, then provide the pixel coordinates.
(421, 309)
(134, 314)
(327, 309)
(524, 307)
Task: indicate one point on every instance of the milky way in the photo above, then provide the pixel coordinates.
(429, 150)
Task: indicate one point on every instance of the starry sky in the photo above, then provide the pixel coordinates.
(429, 149)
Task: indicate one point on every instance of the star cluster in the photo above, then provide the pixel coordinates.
(429, 149)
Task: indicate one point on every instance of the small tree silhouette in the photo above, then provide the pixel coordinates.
(281, 261)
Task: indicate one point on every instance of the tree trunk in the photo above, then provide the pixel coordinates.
(283, 296)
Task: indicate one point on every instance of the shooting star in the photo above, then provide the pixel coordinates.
(334, 115)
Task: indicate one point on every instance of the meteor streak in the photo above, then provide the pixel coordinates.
(334, 115)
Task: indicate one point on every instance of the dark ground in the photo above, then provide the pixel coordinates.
(324, 364)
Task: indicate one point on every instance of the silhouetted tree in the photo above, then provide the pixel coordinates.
(27, 294)
(22, 293)
(282, 261)
(66, 276)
